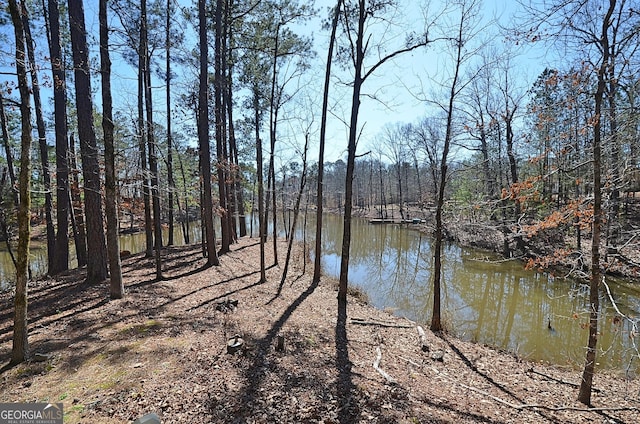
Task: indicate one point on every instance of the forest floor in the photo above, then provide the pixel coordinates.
(163, 349)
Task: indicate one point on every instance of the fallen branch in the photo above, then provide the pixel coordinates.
(361, 321)
(415, 364)
(376, 366)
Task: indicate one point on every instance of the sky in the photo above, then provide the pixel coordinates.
(400, 87)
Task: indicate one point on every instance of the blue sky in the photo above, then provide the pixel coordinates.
(399, 86)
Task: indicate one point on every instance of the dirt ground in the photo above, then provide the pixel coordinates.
(163, 349)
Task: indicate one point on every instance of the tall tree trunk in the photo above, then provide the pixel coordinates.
(75, 207)
(4, 227)
(97, 260)
(185, 223)
(400, 193)
(296, 209)
(203, 137)
(42, 139)
(20, 349)
(236, 175)
(436, 319)
(61, 259)
(351, 154)
(317, 262)
(584, 395)
(273, 119)
(151, 143)
(262, 221)
(172, 184)
(7, 150)
(142, 148)
(229, 172)
(116, 287)
(484, 150)
(220, 132)
(513, 166)
(236, 172)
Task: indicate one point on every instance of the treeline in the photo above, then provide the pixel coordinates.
(549, 163)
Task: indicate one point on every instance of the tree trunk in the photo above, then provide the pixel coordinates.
(42, 140)
(273, 119)
(584, 395)
(20, 349)
(61, 259)
(97, 260)
(296, 209)
(351, 154)
(613, 221)
(172, 184)
(185, 223)
(203, 138)
(436, 319)
(220, 132)
(142, 148)
(75, 208)
(151, 143)
(4, 227)
(262, 224)
(236, 173)
(7, 150)
(116, 287)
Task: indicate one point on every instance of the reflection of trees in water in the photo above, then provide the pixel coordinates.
(497, 303)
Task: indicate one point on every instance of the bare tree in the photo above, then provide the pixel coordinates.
(20, 349)
(116, 288)
(323, 135)
(172, 184)
(462, 51)
(296, 208)
(598, 33)
(356, 18)
(42, 138)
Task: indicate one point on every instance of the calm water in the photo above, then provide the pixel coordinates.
(493, 302)
(499, 303)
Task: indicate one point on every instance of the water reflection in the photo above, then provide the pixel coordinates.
(498, 303)
(134, 243)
